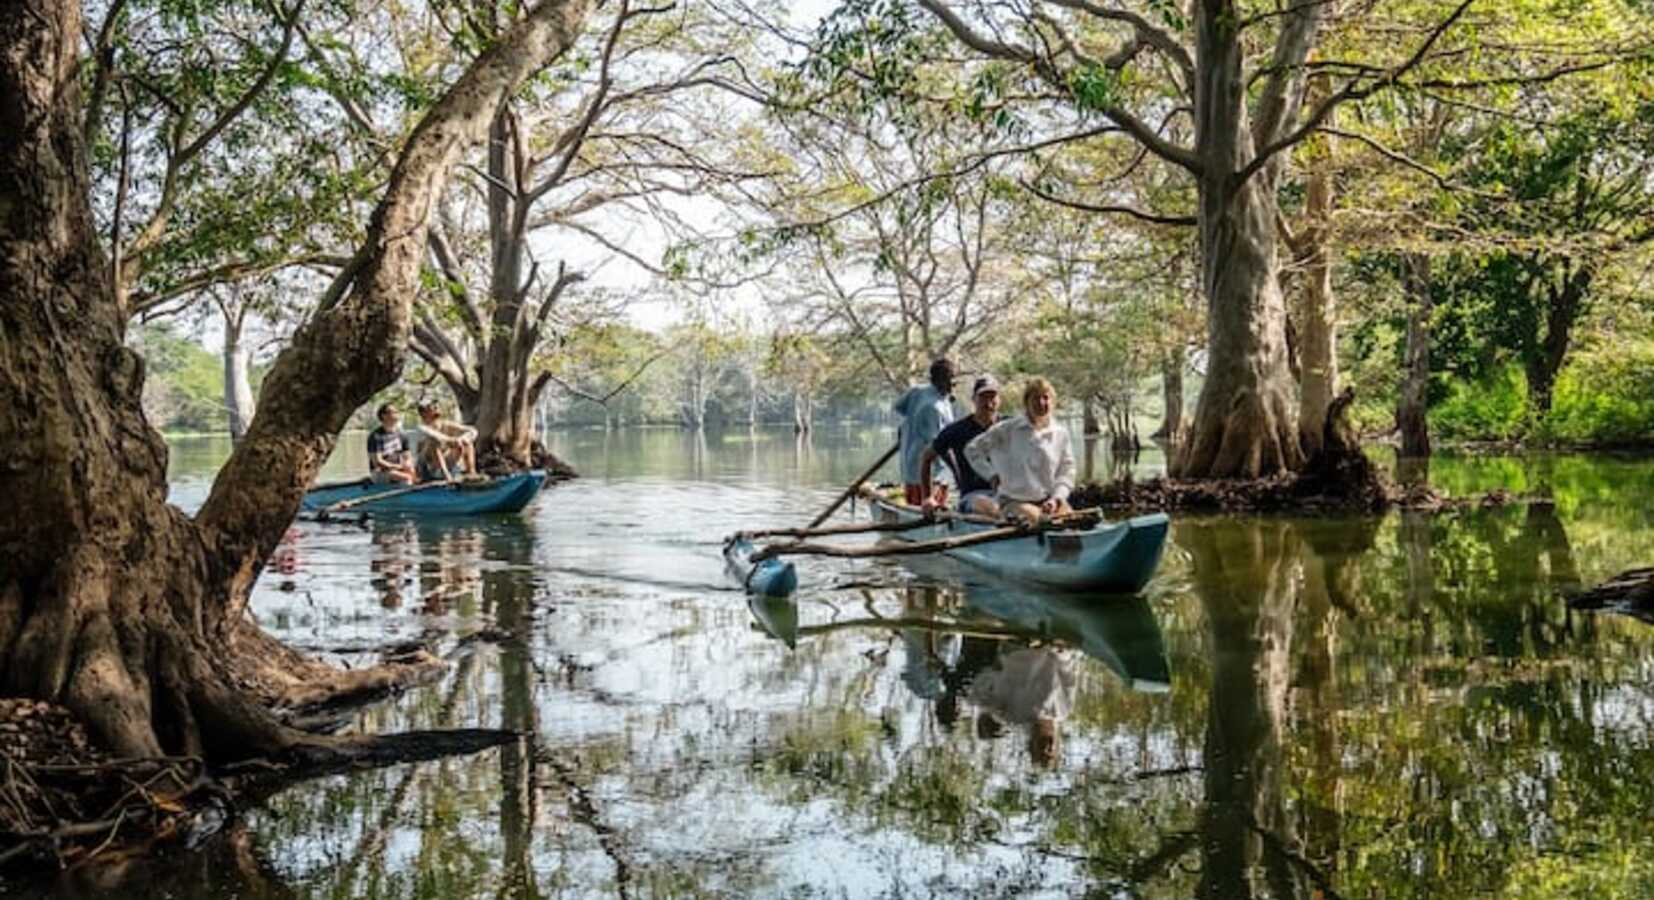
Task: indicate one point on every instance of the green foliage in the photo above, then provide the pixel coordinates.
(1493, 408)
(1606, 396)
(183, 383)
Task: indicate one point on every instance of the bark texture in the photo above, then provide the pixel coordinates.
(112, 602)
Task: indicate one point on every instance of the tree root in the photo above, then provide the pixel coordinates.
(63, 803)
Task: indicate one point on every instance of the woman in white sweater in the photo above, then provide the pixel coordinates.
(1031, 456)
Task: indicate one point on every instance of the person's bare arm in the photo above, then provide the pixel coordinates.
(927, 461)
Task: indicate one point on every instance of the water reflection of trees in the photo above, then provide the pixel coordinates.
(1396, 707)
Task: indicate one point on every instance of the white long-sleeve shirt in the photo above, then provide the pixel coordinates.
(1033, 464)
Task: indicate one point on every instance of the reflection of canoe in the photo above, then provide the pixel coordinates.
(1121, 632)
(1115, 556)
(778, 616)
(769, 578)
(501, 495)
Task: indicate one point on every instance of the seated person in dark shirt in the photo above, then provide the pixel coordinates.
(976, 494)
(388, 458)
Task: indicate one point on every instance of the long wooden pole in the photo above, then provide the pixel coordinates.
(913, 548)
(343, 505)
(828, 512)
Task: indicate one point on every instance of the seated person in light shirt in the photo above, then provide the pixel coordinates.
(445, 448)
(1031, 457)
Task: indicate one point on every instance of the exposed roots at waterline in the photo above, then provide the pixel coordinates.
(65, 801)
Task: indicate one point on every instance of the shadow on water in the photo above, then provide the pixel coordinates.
(1392, 707)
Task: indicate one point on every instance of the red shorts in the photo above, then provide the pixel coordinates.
(915, 495)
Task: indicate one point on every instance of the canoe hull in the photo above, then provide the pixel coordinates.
(768, 578)
(509, 494)
(1117, 557)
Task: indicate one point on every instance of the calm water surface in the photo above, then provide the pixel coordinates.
(1391, 707)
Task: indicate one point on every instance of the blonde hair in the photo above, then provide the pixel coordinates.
(1037, 385)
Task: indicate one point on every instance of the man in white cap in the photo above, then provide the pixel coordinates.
(976, 494)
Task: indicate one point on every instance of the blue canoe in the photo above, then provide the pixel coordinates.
(500, 495)
(769, 578)
(1111, 557)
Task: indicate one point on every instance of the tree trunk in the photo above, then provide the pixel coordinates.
(1245, 419)
(1244, 424)
(112, 602)
(1415, 386)
(1564, 304)
(1317, 333)
(238, 384)
(1088, 418)
(1172, 425)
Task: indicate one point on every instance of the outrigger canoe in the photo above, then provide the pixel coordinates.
(507, 494)
(1114, 557)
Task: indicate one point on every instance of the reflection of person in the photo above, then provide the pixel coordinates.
(455, 567)
(927, 654)
(445, 448)
(1030, 455)
(390, 564)
(1033, 688)
(388, 450)
(976, 494)
(925, 411)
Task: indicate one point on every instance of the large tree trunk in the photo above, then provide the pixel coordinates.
(238, 382)
(1244, 424)
(112, 602)
(1415, 386)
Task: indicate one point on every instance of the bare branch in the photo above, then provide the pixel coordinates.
(1159, 146)
(1142, 215)
(1147, 32)
(1354, 90)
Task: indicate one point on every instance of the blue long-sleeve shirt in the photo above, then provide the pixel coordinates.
(925, 412)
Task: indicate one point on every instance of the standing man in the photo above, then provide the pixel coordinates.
(925, 411)
(976, 493)
(1031, 456)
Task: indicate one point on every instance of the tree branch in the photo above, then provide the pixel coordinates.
(1159, 146)
(1351, 91)
(1142, 215)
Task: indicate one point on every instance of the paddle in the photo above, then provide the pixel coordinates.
(851, 490)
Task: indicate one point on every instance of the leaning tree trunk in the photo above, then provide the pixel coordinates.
(238, 383)
(112, 602)
(1415, 386)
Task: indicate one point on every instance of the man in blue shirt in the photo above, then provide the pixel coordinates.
(925, 411)
(976, 493)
